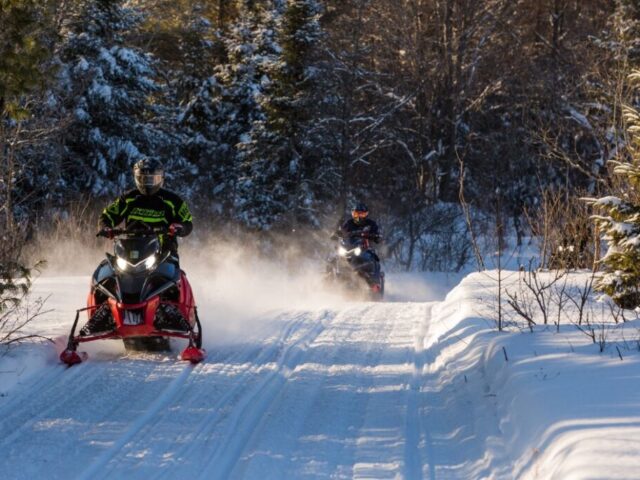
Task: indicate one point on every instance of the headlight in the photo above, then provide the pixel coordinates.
(357, 251)
(150, 262)
(121, 263)
(342, 251)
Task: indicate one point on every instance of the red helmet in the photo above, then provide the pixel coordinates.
(359, 212)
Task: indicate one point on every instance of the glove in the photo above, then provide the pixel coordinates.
(175, 229)
(106, 232)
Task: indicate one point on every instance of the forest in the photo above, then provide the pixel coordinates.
(490, 328)
(459, 122)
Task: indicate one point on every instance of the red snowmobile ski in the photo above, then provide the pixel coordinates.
(141, 296)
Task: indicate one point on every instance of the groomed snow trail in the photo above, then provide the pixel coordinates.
(340, 393)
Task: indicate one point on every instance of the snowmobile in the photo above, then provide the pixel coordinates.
(140, 295)
(357, 266)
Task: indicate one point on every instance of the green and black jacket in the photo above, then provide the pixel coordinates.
(162, 208)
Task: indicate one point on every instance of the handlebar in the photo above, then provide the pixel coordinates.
(117, 232)
(361, 234)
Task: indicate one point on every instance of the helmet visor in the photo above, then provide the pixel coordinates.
(149, 183)
(149, 179)
(359, 214)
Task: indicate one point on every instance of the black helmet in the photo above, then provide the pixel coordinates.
(360, 212)
(149, 175)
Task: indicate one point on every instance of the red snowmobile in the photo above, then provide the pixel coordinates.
(139, 295)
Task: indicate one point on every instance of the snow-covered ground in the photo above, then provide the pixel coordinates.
(300, 383)
(548, 404)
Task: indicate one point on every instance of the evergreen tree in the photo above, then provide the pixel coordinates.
(276, 188)
(620, 221)
(200, 49)
(27, 39)
(109, 86)
(221, 112)
(621, 227)
(23, 52)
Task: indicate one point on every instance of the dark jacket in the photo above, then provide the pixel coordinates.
(162, 208)
(352, 229)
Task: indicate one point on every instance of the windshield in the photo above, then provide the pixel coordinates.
(351, 242)
(136, 250)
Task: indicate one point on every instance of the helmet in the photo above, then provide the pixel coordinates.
(149, 175)
(359, 212)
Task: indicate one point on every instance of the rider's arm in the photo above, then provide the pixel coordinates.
(186, 230)
(113, 214)
(374, 232)
(184, 217)
(345, 231)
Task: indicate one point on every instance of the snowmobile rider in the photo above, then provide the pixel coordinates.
(150, 205)
(358, 228)
(359, 225)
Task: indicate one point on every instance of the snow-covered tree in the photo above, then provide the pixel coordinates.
(621, 228)
(221, 111)
(22, 53)
(109, 86)
(275, 189)
(619, 220)
(27, 39)
(200, 48)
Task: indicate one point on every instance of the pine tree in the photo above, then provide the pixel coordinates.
(26, 36)
(620, 221)
(220, 111)
(23, 51)
(207, 126)
(276, 188)
(255, 50)
(621, 228)
(200, 49)
(109, 86)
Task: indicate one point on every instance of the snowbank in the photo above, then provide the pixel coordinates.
(561, 407)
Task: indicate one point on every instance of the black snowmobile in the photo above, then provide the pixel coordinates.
(356, 266)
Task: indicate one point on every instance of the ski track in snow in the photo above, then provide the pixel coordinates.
(415, 429)
(95, 469)
(340, 393)
(252, 406)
